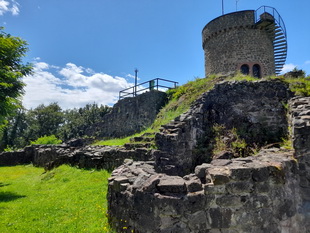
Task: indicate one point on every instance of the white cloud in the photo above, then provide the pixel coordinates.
(41, 66)
(9, 6)
(71, 86)
(14, 8)
(4, 6)
(132, 76)
(287, 68)
(307, 62)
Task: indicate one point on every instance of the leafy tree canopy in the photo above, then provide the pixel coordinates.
(12, 69)
(44, 120)
(26, 126)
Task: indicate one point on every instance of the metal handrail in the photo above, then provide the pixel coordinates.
(275, 14)
(154, 84)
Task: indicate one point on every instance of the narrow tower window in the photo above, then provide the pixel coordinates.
(256, 71)
(245, 69)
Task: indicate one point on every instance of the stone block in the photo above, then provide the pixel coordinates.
(198, 218)
(240, 173)
(260, 174)
(119, 184)
(219, 175)
(220, 217)
(286, 209)
(221, 162)
(258, 201)
(239, 187)
(229, 201)
(262, 187)
(194, 185)
(200, 170)
(277, 174)
(195, 201)
(171, 184)
(151, 183)
(214, 189)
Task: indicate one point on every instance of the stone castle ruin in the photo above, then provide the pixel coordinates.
(177, 191)
(252, 42)
(179, 187)
(267, 192)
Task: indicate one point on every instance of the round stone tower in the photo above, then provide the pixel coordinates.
(252, 42)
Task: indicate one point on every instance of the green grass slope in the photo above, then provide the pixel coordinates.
(181, 98)
(65, 199)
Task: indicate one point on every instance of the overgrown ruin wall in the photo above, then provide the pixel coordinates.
(255, 109)
(130, 115)
(268, 192)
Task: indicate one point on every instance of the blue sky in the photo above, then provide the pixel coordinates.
(85, 51)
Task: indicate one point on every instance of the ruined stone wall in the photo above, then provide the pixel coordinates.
(130, 115)
(246, 195)
(300, 125)
(268, 192)
(89, 157)
(20, 157)
(255, 109)
(233, 39)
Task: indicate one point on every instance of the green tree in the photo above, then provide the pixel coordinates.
(77, 121)
(43, 120)
(12, 69)
(13, 133)
(27, 126)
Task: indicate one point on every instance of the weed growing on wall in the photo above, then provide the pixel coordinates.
(300, 86)
(47, 140)
(230, 140)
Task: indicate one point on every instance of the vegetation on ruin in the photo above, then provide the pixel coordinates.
(47, 140)
(119, 141)
(300, 86)
(181, 98)
(65, 199)
(114, 141)
(233, 142)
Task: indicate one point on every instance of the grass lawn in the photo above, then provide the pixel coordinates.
(65, 199)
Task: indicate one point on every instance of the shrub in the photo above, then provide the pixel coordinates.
(47, 140)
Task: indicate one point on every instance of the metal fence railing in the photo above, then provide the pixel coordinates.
(275, 14)
(154, 84)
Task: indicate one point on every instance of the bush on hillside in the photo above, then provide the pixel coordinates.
(47, 140)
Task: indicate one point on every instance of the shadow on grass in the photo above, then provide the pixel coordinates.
(3, 184)
(9, 196)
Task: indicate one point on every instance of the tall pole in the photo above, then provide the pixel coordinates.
(136, 81)
(222, 7)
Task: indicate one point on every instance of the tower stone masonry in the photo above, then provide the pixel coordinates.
(252, 42)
